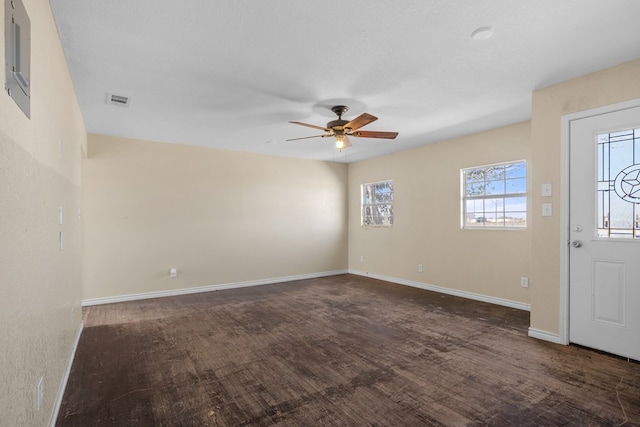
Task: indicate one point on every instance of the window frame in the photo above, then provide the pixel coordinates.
(504, 195)
(364, 205)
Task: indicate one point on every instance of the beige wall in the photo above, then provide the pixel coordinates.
(617, 84)
(427, 219)
(427, 207)
(219, 217)
(41, 285)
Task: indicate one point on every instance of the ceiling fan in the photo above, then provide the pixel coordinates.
(343, 129)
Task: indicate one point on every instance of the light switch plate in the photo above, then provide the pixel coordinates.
(547, 190)
(547, 209)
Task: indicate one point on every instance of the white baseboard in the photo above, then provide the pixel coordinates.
(546, 336)
(65, 378)
(448, 291)
(184, 291)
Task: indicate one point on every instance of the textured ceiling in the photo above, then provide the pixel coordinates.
(231, 74)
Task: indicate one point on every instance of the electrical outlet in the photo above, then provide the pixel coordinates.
(524, 282)
(419, 268)
(39, 393)
(361, 258)
(173, 273)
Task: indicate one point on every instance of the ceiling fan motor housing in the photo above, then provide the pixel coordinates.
(337, 126)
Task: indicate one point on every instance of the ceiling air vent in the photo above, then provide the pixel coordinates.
(119, 100)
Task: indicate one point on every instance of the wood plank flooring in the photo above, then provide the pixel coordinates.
(337, 351)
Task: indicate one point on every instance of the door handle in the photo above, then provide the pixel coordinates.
(576, 244)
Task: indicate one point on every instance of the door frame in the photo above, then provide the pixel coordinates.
(565, 123)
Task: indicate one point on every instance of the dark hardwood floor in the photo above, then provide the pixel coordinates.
(336, 351)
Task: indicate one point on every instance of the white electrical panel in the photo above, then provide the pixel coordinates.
(17, 54)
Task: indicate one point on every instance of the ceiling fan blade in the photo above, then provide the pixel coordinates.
(375, 134)
(307, 137)
(310, 126)
(362, 120)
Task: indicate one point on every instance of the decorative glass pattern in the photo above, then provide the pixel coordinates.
(618, 185)
(377, 204)
(495, 196)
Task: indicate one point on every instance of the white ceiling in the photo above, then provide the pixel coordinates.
(231, 74)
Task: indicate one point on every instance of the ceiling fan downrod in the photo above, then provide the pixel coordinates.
(339, 110)
(336, 126)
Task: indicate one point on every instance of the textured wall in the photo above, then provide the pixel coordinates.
(427, 218)
(218, 216)
(40, 284)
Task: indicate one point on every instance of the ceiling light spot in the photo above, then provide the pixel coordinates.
(482, 33)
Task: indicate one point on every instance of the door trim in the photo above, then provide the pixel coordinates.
(565, 123)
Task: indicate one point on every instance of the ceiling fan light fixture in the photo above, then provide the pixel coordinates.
(342, 142)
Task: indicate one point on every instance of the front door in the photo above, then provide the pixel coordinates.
(604, 222)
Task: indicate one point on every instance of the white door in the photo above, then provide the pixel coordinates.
(604, 222)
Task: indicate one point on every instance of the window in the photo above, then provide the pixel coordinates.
(618, 191)
(377, 204)
(495, 196)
